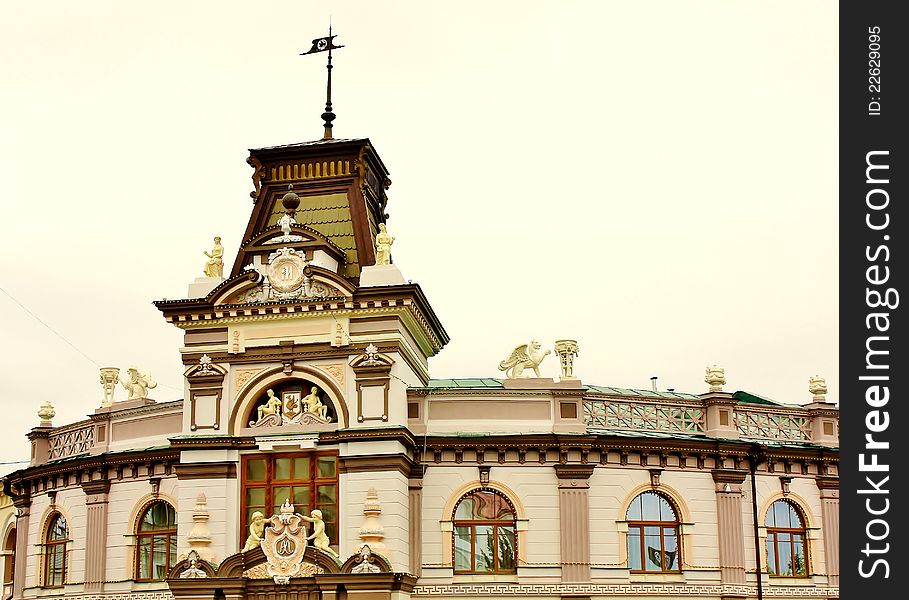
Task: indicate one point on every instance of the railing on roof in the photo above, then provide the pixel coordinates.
(646, 416)
(772, 424)
(71, 440)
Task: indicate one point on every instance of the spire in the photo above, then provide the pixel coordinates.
(321, 45)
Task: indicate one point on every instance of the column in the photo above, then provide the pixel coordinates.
(23, 508)
(830, 525)
(416, 525)
(96, 496)
(574, 521)
(730, 528)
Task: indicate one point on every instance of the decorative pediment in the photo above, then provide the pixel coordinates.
(287, 275)
(371, 359)
(205, 368)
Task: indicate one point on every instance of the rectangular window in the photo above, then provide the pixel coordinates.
(308, 480)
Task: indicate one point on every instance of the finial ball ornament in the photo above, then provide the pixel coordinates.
(290, 201)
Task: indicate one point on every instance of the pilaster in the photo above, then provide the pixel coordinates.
(830, 524)
(574, 519)
(23, 510)
(730, 528)
(96, 502)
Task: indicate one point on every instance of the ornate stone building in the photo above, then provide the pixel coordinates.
(309, 412)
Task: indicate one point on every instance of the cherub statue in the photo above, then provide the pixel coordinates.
(319, 538)
(526, 356)
(256, 532)
(384, 240)
(137, 384)
(313, 404)
(271, 407)
(214, 267)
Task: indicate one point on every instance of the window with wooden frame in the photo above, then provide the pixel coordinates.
(787, 540)
(308, 480)
(156, 542)
(653, 535)
(484, 538)
(55, 540)
(9, 562)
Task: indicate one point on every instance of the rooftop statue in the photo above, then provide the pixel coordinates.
(384, 240)
(137, 384)
(715, 378)
(526, 356)
(214, 267)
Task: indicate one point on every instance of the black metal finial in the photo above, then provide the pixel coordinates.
(321, 45)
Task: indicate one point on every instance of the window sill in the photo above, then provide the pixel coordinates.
(491, 578)
(806, 580)
(656, 577)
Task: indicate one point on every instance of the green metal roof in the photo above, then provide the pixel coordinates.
(464, 383)
(749, 398)
(489, 383)
(616, 391)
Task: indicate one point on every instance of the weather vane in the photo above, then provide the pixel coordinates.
(321, 45)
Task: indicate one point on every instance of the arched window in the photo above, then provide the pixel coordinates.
(55, 551)
(156, 542)
(653, 535)
(484, 533)
(9, 562)
(787, 542)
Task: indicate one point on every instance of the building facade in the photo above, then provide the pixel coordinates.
(309, 412)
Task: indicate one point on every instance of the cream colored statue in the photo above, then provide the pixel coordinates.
(319, 537)
(526, 356)
(384, 240)
(715, 378)
(271, 407)
(214, 267)
(256, 532)
(817, 385)
(313, 404)
(137, 384)
(567, 350)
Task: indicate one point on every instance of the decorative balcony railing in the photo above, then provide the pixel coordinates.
(772, 425)
(677, 417)
(71, 440)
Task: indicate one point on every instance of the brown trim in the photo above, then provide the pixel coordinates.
(729, 476)
(573, 471)
(378, 463)
(827, 482)
(93, 488)
(211, 470)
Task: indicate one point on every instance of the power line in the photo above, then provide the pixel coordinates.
(60, 335)
(49, 328)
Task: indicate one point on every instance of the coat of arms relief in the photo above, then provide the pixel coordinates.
(286, 276)
(291, 407)
(284, 544)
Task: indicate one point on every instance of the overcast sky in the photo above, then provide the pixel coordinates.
(654, 179)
